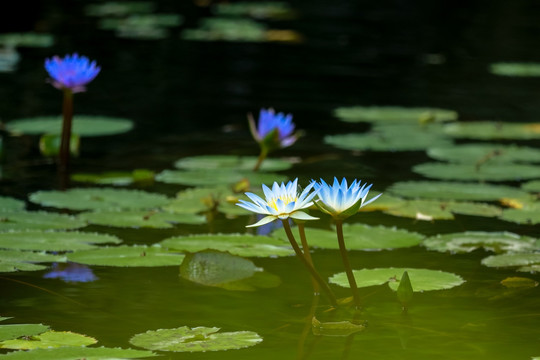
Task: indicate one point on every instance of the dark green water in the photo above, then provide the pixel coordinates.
(184, 95)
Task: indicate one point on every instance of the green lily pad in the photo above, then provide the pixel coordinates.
(216, 177)
(237, 244)
(529, 214)
(99, 199)
(483, 154)
(471, 240)
(113, 8)
(184, 339)
(531, 186)
(394, 114)
(485, 172)
(195, 200)
(441, 210)
(11, 204)
(391, 138)
(117, 178)
(491, 130)
(212, 162)
(227, 29)
(421, 279)
(54, 240)
(29, 256)
(515, 69)
(32, 220)
(142, 256)
(360, 237)
(77, 353)
(83, 125)
(512, 260)
(455, 191)
(49, 339)
(28, 39)
(14, 331)
(258, 10)
(140, 219)
(13, 266)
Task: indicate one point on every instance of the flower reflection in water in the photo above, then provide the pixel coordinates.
(71, 272)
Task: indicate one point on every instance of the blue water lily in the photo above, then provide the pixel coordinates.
(282, 202)
(341, 200)
(72, 72)
(275, 130)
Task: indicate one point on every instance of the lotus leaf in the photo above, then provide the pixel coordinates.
(49, 339)
(54, 240)
(140, 219)
(77, 353)
(394, 114)
(184, 339)
(123, 256)
(29, 220)
(14, 331)
(485, 172)
(515, 69)
(212, 162)
(492, 130)
(480, 154)
(471, 240)
(83, 125)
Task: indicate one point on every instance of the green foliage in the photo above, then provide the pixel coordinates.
(227, 29)
(127, 256)
(49, 144)
(440, 210)
(14, 331)
(49, 339)
(524, 261)
(201, 177)
(54, 240)
(492, 130)
(28, 39)
(472, 240)
(394, 114)
(11, 204)
(480, 154)
(485, 172)
(529, 214)
(33, 220)
(515, 69)
(213, 162)
(140, 219)
(77, 353)
(117, 178)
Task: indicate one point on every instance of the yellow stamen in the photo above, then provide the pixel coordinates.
(285, 198)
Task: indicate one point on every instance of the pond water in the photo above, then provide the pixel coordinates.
(190, 98)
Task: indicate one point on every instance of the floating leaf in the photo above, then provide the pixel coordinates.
(531, 186)
(360, 237)
(117, 178)
(201, 199)
(83, 125)
(335, 328)
(77, 353)
(8, 332)
(99, 199)
(49, 144)
(144, 256)
(28, 39)
(519, 282)
(422, 279)
(29, 256)
(486, 172)
(515, 69)
(184, 339)
(54, 240)
(227, 29)
(480, 154)
(237, 244)
(455, 191)
(512, 260)
(529, 214)
(394, 114)
(259, 10)
(28, 220)
(13, 266)
(215, 177)
(212, 162)
(113, 8)
(471, 240)
(441, 210)
(49, 339)
(11, 204)
(491, 130)
(140, 219)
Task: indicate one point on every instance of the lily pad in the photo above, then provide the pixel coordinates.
(83, 125)
(394, 114)
(216, 177)
(31, 220)
(491, 130)
(455, 191)
(49, 339)
(515, 69)
(29, 256)
(99, 199)
(185, 339)
(212, 162)
(480, 154)
(11, 204)
(140, 219)
(117, 178)
(421, 279)
(54, 240)
(123, 256)
(531, 186)
(113, 8)
(441, 210)
(194, 200)
(77, 353)
(227, 29)
(237, 244)
(513, 260)
(360, 237)
(14, 331)
(472, 240)
(486, 172)
(259, 10)
(13, 266)
(529, 214)
(29, 39)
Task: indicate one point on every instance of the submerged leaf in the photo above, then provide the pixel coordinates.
(143, 256)
(49, 339)
(519, 282)
(77, 353)
(335, 328)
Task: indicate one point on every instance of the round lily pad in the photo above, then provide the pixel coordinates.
(113, 8)
(485, 172)
(14, 331)
(28, 39)
(529, 214)
(512, 260)
(394, 114)
(140, 219)
(531, 186)
(13, 266)
(143, 256)
(29, 256)
(481, 154)
(83, 125)
(117, 178)
(360, 237)
(11, 204)
(99, 199)
(515, 69)
(492, 130)
(440, 210)
(455, 191)
(31, 220)
(471, 240)
(54, 240)
(211, 162)
(185, 339)
(76, 353)
(49, 339)
(198, 199)
(260, 10)
(236, 244)
(216, 177)
(227, 29)
(421, 279)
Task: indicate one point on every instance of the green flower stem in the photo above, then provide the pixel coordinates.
(307, 255)
(315, 275)
(346, 263)
(262, 156)
(67, 109)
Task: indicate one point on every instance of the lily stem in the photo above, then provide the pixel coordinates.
(67, 110)
(307, 255)
(314, 274)
(261, 158)
(346, 263)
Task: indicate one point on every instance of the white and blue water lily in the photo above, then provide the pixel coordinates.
(341, 200)
(282, 202)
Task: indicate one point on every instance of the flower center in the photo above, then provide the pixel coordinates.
(285, 198)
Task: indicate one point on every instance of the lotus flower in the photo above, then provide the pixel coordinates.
(72, 72)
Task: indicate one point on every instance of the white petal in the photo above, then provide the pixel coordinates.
(265, 220)
(300, 215)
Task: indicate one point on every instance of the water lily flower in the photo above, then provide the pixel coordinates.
(275, 130)
(282, 202)
(340, 200)
(72, 72)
